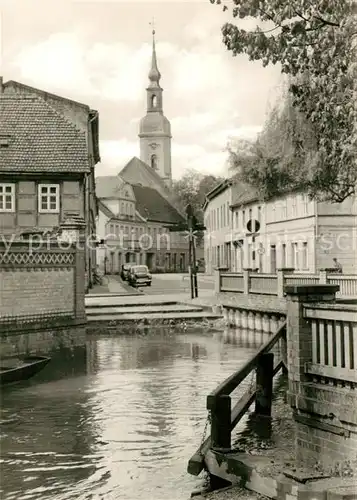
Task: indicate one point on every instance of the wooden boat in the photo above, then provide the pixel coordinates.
(13, 370)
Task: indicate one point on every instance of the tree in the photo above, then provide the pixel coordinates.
(280, 160)
(192, 189)
(315, 44)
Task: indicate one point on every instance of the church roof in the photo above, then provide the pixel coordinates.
(138, 172)
(108, 186)
(154, 207)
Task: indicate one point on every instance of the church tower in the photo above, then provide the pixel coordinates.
(155, 128)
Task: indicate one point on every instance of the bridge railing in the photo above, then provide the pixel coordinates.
(223, 417)
(334, 343)
(250, 282)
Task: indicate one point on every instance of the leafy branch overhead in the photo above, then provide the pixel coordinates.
(315, 44)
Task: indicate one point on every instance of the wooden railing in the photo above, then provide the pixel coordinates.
(232, 282)
(301, 279)
(348, 284)
(263, 283)
(249, 282)
(223, 417)
(334, 343)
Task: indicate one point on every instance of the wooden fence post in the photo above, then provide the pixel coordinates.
(220, 407)
(264, 384)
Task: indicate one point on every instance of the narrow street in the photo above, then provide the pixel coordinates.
(162, 284)
(177, 283)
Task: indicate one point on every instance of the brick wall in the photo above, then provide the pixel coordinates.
(325, 406)
(47, 291)
(41, 341)
(333, 452)
(41, 286)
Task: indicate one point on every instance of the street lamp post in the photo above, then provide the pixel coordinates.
(192, 251)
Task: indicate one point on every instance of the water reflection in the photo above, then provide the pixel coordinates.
(118, 420)
(48, 444)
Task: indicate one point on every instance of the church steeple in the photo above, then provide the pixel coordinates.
(154, 73)
(154, 90)
(155, 129)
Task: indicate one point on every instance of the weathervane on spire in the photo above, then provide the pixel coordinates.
(152, 24)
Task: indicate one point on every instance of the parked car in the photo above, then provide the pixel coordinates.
(125, 270)
(139, 276)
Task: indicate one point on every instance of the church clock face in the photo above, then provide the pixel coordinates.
(153, 145)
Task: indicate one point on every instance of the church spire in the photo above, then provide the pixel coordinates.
(154, 73)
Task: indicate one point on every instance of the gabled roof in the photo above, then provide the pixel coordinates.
(220, 188)
(138, 172)
(40, 139)
(243, 194)
(111, 215)
(16, 85)
(56, 102)
(108, 186)
(106, 211)
(154, 207)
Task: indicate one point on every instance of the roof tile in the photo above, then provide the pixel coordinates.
(40, 138)
(154, 207)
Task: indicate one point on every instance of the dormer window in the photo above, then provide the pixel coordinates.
(154, 101)
(154, 162)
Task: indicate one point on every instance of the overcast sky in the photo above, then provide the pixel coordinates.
(99, 53)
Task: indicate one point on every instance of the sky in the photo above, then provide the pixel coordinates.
(99, 53)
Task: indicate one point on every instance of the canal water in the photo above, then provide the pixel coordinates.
(116, 419)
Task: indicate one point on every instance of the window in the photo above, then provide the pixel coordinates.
(228, 224)
(304, 256)
(154, 101)
(237, 220)
(250, 214)
(154, 162)
(283, 255)
(7, 197)
(122, 208)
(48, 198)
(295, 255)
(306, 204)
(293, 206)
(243, 219)
(284, 210)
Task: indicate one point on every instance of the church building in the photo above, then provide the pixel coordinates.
(137, 206)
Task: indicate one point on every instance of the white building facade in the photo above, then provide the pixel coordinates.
(287, 232)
